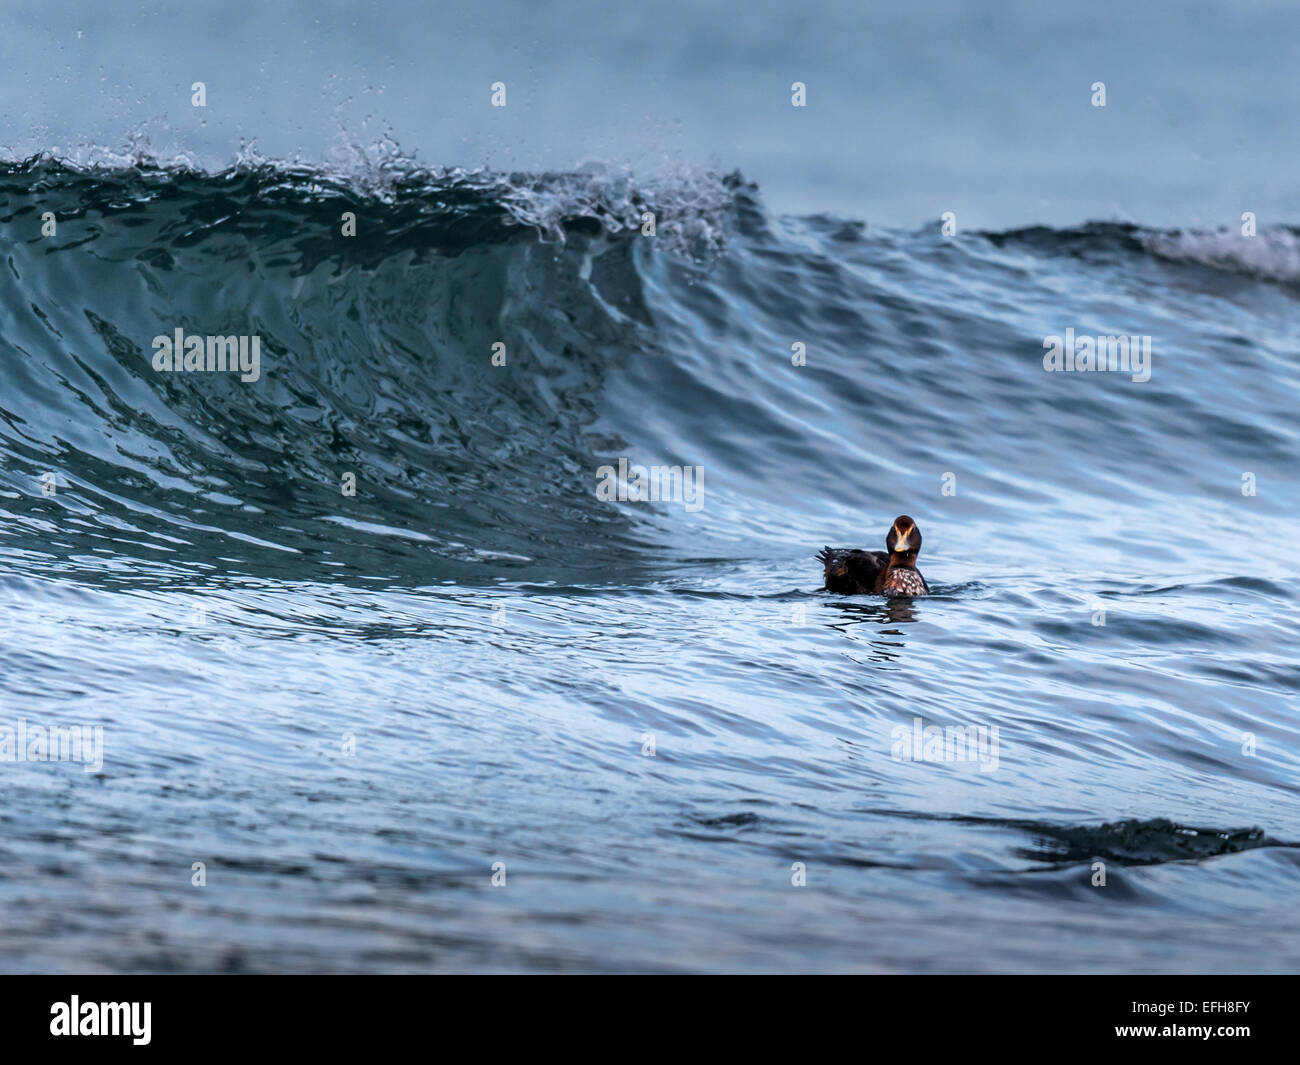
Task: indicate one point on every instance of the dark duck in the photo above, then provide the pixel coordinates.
(850, 571)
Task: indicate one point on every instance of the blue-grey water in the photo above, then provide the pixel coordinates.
(385, 684)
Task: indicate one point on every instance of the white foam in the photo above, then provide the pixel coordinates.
(1272, 254)
(689, 205)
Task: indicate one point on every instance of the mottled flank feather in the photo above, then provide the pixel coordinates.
(905, 582)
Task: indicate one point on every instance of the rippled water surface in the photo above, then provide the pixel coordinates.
(349, 708)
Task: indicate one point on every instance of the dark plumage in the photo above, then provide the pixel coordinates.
(850, 571)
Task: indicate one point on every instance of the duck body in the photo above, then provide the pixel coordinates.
(851, 571)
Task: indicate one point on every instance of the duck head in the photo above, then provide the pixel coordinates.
(903, 542)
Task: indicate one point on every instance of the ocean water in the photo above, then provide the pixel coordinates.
(383, 682)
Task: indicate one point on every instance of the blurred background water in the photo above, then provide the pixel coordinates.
(349, 707)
